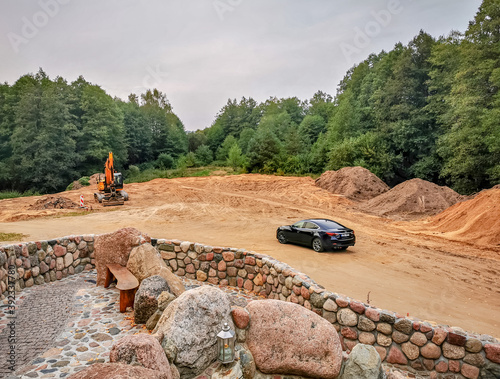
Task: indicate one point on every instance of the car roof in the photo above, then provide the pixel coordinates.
(324, 222)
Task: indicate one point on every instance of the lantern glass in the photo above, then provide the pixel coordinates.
(225, 345)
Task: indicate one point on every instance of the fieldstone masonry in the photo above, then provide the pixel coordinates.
(420, 347)
(45, 261)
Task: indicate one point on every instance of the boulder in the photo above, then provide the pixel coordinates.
(115, 248)
(363, 363)
(286, 338)
(145, 261)
(189, 326)
(117, 371)
(153, 320)
(141, 350)
(146, 298)
(164, 300)
(247, 364)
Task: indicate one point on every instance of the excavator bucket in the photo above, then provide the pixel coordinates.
(112, 201)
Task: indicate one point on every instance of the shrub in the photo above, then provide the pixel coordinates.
(164, 162)
(84, 181)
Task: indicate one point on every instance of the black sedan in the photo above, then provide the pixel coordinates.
(320, 234)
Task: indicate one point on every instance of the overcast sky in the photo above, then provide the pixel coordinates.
(202, 52)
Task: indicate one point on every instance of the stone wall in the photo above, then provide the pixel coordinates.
(44, 262)
(421, 347)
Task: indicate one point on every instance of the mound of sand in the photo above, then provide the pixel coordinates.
(413, 198)
(53, 202)
(356, 183)
(92, 182)
(476, 220)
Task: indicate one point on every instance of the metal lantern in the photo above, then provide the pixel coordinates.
(225, 345)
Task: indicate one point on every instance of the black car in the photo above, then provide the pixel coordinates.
(320, 234)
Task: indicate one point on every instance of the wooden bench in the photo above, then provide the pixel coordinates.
(126, 282)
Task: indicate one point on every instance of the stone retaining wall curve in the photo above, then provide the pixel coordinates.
(421, 347)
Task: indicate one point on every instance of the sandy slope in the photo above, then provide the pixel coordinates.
(403, 266)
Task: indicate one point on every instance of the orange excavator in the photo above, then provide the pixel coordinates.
(111, 186)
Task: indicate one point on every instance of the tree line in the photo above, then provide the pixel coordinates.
(429, 109)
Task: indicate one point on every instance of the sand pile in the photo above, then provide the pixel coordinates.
(53, 202)
(356, 183)
(413, 198)
(476, 220)
(92, 182)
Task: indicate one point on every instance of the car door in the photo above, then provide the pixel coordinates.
(306, 233)
(293, 235)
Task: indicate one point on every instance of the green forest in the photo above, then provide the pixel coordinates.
(429, 109)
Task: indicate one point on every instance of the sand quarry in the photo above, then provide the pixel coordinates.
(421, 249)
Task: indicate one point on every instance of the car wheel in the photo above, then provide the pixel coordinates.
(282, 238)
(317, 245)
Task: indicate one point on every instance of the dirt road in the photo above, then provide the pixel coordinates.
(400, 266)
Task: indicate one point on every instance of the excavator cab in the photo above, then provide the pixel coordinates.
(118, 180)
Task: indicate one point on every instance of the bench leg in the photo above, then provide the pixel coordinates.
(126, 299)
(109, 278)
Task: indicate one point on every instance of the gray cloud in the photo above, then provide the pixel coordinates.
(202, 52)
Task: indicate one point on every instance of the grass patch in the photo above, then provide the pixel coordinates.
(84, 181)
(14, 194)
(11, 236)
(135, 176)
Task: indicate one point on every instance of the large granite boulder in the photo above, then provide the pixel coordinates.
(141, 350)
(115, 248)
(363, 363)
(286, 338)
(145, 261)
(117, 371)
(189, 326)
(146, 297)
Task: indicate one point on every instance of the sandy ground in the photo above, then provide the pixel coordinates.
(399, 266)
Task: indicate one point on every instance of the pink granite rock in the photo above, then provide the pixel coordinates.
(431, 351)
(117, 370)
(469, 371)
(143, 350)
(396, 356)
(59, 251)
(241, 317)
(439, 336)
(286, 338)
(492, 352)
(115, 248)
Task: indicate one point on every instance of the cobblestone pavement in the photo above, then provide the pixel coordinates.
(65, 326)
(41, 314)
